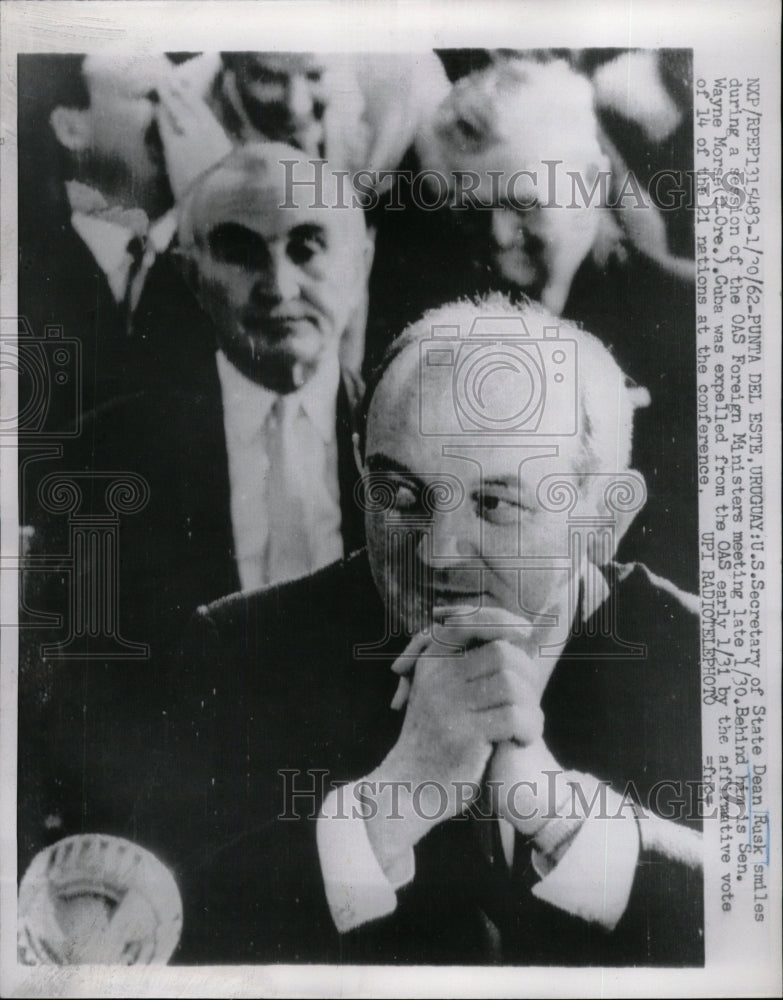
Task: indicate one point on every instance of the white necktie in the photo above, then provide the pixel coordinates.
(288, 549)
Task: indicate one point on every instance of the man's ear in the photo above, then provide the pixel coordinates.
(352, 341)
(358, 458)
(72, 128)
(632, 496)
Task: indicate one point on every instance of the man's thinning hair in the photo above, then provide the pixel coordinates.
(607, 397)
(257, 167)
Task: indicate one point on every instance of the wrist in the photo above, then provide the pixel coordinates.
(399, 811)
(530, 787)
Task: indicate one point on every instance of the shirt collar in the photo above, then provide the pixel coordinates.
(595, 590)
(318, 396)
(107, 237)
(106, 241)
(247, 404)
(162, 231)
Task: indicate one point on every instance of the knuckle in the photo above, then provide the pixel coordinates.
(506, 718)
(503, 685)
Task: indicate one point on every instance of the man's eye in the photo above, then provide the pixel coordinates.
(406, 497)
(260, 74)
(302, 249)
(497, 509)
(468, 129)
(233, 244)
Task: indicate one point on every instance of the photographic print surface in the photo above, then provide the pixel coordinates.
(389, 448)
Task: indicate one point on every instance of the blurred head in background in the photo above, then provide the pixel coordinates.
(526, 131)
(107, 124)
(282, 96)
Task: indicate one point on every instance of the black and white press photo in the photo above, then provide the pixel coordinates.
(367, 610)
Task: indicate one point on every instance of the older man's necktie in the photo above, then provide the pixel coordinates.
(288, 548)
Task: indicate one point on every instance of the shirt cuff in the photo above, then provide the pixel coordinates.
(594, 877)
(357, 888)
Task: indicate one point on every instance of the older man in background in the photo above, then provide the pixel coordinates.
(246, 461)
(361, 111)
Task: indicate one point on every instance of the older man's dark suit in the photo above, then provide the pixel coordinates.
(280, 707)
(88, 730)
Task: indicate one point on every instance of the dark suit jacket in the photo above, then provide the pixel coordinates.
(271, 707)
(177, 552)
(174, 555)
(61, 285)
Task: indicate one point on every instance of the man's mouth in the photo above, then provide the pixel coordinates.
(517, 266)
(278, 326)
(454, 596)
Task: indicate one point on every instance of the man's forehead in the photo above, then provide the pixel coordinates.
(425, 412)
(259, 203)
(522, 119)
(488, 376)
(473, 462)
(131, 75)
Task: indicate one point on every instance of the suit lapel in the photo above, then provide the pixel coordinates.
(197, 412)
(348, 397)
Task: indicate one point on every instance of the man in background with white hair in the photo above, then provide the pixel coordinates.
(532, 125)
(470, 760)
(516, 159)
(495, 159)
(361, 111)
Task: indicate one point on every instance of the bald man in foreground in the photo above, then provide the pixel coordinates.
(477, 742)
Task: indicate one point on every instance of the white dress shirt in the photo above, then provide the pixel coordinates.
(106, 235)
(314, 516)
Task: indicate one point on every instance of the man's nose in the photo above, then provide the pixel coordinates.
(453, 536)
(299, 100)
(278, 281)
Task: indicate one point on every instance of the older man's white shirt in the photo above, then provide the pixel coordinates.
(247, 408)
